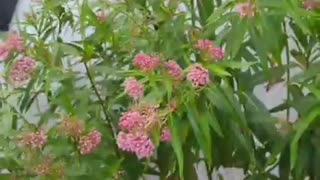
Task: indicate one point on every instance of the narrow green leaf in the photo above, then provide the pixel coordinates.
(70, 49)
(235, 38)
(233, 102)
(238, 65)
(205, 8)
(176, 144)
(280, 107)
(214, 123)
(204, 143)
(218, 12)
(26, 100)
(218, 70)
(311, 72)
(261, 49)
(303, 125)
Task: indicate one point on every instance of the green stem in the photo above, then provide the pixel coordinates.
(16, 112)
(287, 72)
(110, 126)
(193, 13)
(209, 171)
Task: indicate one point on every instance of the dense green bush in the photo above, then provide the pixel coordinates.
(156, 87)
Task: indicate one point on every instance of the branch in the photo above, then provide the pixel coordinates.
(111, 128)
(193, 14)
(288, 71)
(16, 112)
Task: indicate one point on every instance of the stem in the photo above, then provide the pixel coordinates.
(193, 13)
(110, 126)
(16, 112)
(288, 71)
(209, 171)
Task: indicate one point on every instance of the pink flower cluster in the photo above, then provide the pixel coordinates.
(47, 167)
(89, 143)
(71, 127)
(209, 50)
(130, 120)
(165, 135)
(245, 9)
(21, 71)
(216, 53)
(13, 43)
(4, 53)
(174, 70)
(145, 62)
(137, 143)
(135, 125)
(133, 88)
(44, 168)
(310, 4)
(140, 118)
(198, 76)
(36, 139)
(203, 45)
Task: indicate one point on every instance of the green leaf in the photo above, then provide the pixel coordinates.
(262, 123)
(214, 123)
(7, 176)
(300, 22)
(165, 160)
(249, 81)
(303, 125)
(204, 126)
(141, 2)
(238, 65)
(233, 103)
(314, 90)
(218, 12)
(299, 57)
(53, 4)
(70, 49)
(311, 72)
(194, 119)
(284, 164)
(205, 8)
(26, 99)
(7, 163)
(280, 107)
(303, 157)
(189, 168)
(302, 38)
(235, 38)
(155, 136)
(261, 49)
(176, 143)
(218, 70)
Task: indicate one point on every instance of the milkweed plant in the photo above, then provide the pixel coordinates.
(123, 89)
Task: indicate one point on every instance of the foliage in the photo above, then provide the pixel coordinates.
(156, 87)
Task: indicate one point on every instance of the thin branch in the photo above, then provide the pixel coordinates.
(101, 102)
(16, 112)
(193, 13)
(287, 71)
